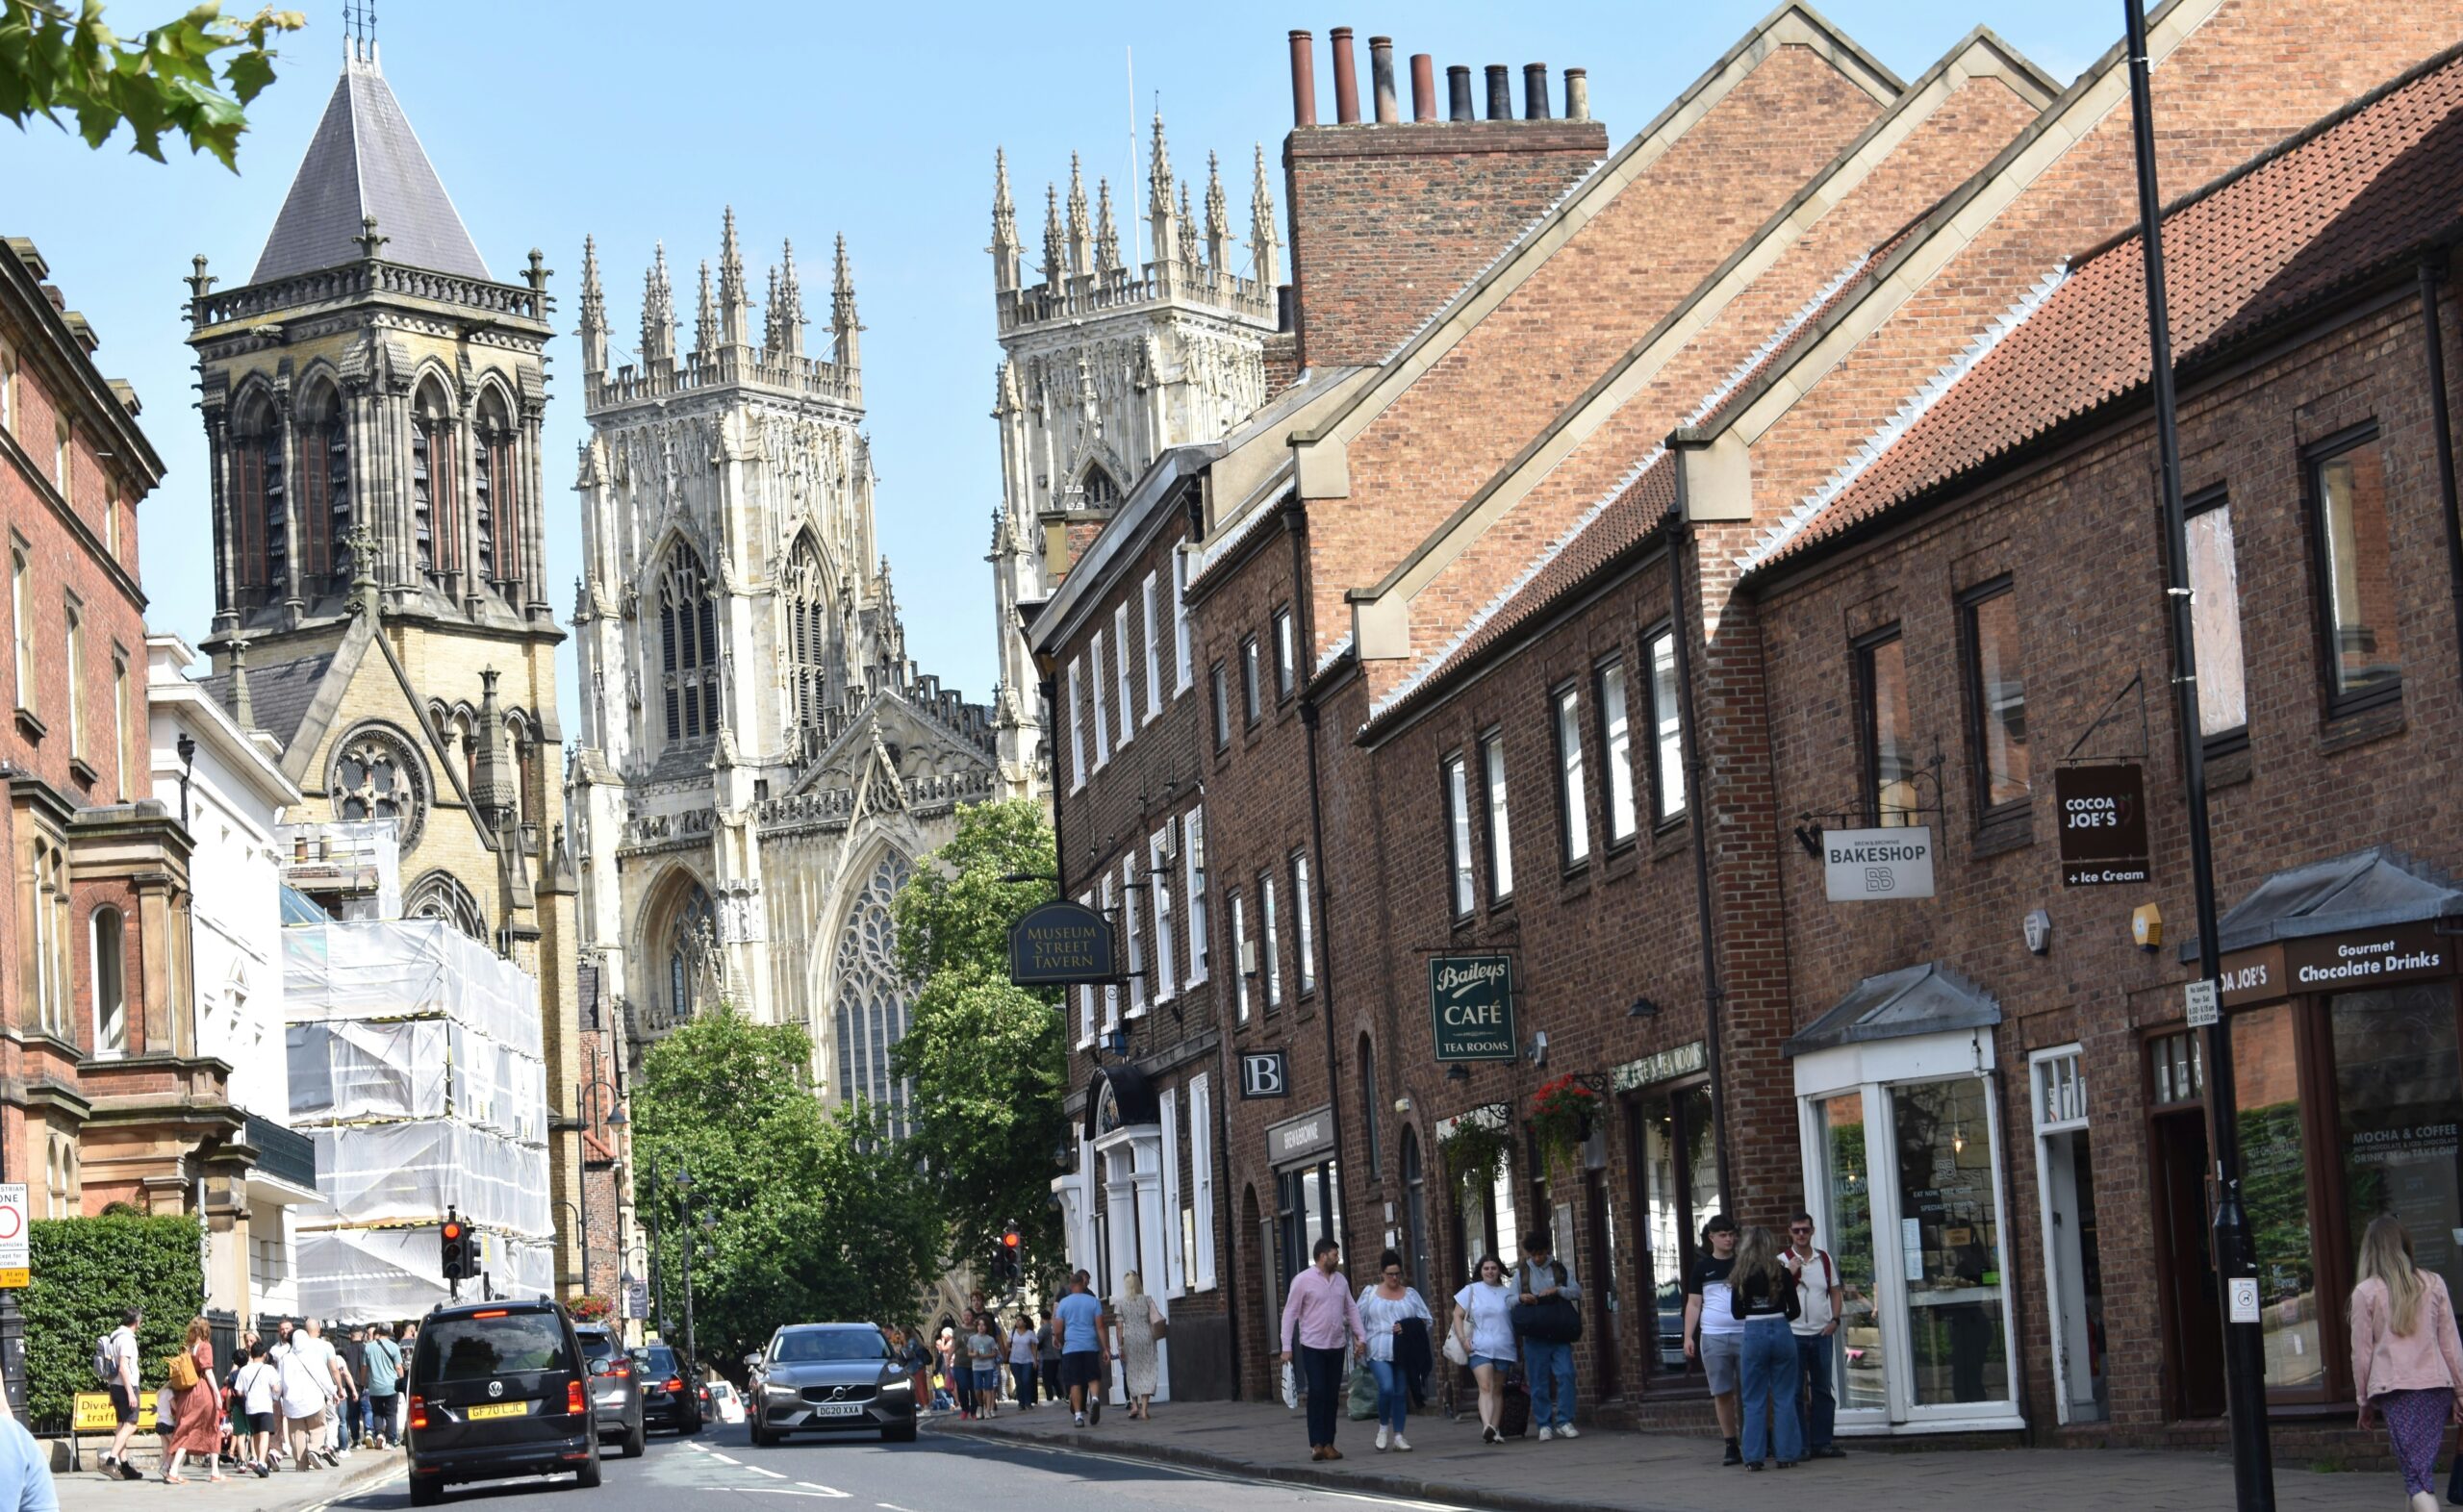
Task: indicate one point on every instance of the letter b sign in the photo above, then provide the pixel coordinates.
(1265, 1074)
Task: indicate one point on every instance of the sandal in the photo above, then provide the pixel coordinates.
(175, 1480)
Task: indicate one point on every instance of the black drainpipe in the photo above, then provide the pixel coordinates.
(1680, 532)
(1295, 522)
(2432, 274)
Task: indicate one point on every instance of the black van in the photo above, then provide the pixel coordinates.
(498, 1389)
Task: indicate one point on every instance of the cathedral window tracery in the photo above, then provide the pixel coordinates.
(439, 896)
(809, 632)
(493, 482)
(684, 945)
(871, 1011)
(259, 509)
(688, 647)
(377, 776)
(324, 489)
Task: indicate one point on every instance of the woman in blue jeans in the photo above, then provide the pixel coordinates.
(1763, 1297)
(1383, 1307)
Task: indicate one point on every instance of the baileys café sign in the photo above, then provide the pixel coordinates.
(1470, 1005)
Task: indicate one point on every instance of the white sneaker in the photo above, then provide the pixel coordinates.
(1545, 1434)
(1081, 1418)
(1382, 1436)
(1567, 1433)
(1402, 1444)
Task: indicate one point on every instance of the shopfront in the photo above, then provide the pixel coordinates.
(1309, 1199)
(2340, 982)
(1665, 1103)
(1899, 1115)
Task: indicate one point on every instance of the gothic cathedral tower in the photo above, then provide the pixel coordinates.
(1106, 363)
(373, 398)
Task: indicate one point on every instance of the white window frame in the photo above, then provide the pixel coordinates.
(1573, 790)
(1668, 796)
(1085, 993)
(120, 719)
(1121, 625)
(1154, 604)
(1193, 875)
(1201, 1173)
(1129, 891)
(1615, 697)
(1168, 1106)
(1303, 937)
(1158, 882)
(1498, 794)
(1462, 884)
(1111, 993)
(1181, 636)
(1286, 655)
(73, 614)
(1094, 695)
(1077, 726)
(1268, 946)
(1239, 925)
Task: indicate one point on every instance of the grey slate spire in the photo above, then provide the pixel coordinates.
(366, 160)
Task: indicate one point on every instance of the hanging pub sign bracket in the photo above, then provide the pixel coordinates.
(1061, 943)
(2137, 684)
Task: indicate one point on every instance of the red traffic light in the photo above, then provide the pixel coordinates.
(1010, 1239)
(453, 1231)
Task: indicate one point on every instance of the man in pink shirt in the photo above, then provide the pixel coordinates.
(1318, 1318)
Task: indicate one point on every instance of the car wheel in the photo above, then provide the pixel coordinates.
(634, 1443)
(427, 1492)
(900, 1432)
(758, 1436)
(587, 1477)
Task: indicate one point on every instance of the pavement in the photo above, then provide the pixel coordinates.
(89, 1490)
(1638, 1471)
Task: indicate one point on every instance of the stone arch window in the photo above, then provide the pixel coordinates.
(809, 609)
(259, 510)
(1096, 489)
(871, 1011)
(688, 646)
(492, 487)
(683, 939)
(111, 981)
(435, 519)
(439, 895)
(324, 487)
(48, 929)
(377, 775)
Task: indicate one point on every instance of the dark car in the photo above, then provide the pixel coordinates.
(615, 1388)
(829, 1378)
(498, 1389)
(668, 1399)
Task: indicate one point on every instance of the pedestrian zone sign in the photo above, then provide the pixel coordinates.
(17, 1258)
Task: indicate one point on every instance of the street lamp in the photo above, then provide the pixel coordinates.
(613, 1119)
(692, 1355)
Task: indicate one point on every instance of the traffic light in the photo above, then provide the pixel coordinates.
(1012, 1270)
(455, 1239)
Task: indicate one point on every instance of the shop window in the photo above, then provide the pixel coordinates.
(1199, 1230)
(1667, 728)
(1615, 742)
(1888, 747)
(1415, 1210)
(2275, 1193)
(1846, 1173)
(2214, 622)
(1679, 1180)
(1500, 832)
(1458, 833)
(1958, 1343)
(1286, 655)
(2355, 572)
(2178, 1063)
(1573, 815)
(1996, 703)
(2396, 1089)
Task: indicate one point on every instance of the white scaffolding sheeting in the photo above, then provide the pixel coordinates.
(407, 969)
(344, 1072)
(408, 1172)
(358, 1275)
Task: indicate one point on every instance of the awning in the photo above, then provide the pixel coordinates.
(1914, 999)
(2365, 889)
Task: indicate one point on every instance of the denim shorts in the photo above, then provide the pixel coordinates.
(1720, 1352)
(1479, 1360)
(987, 1380)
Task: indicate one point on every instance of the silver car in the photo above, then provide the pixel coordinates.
(829, 1378)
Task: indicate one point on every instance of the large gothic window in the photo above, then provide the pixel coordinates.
(377, 776)
(260, 512)
(324, 488)
(1097, 489)
(684, 953)
(435, 521)
(439, 895)
(688, 647)
(491, 491)
(871, 1012)
(808, 615)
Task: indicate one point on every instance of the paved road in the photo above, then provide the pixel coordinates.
(722, 1471)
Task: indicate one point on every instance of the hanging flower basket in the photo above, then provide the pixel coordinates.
(1475, 1152)
(590, 1309)
(1562, 1113)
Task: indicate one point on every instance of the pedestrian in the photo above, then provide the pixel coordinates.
(1047, 1357)
(118, 1355)
(1022, 1359)
(2404, 1360)
(983, 1365)
(1384, 1308)
(1712, 1335)
(946, 1390)
(1483, 1321)
(1138, 1322)
(197, 1426)
(1085, 1361)
(25, 1469)
(1761, 1296)
(353, 1350)
(345, 1397)
(1819, 1302)
(1547, 1288)
(383, 1383)
(308, 1393)
(1319, 1317)
(255, 1392)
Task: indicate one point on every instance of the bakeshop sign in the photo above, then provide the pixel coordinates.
(1867, 866)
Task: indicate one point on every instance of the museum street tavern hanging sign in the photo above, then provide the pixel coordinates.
(1867, 866)
(2102, 814)
(1470, 1005)
(1061, 943)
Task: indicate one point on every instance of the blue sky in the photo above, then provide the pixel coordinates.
(636, 122)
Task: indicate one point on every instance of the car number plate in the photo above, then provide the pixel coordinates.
(498, 1409)
(838, 1409)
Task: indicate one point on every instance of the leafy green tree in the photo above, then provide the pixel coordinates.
(57, 58)
(988, 1061)
(796, 1215)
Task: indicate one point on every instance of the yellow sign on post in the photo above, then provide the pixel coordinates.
(15, 1276)
(94, 1414)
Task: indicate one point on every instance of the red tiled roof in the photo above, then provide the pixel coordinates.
(2331, 209)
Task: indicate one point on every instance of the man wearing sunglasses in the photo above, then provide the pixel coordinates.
(1820, 1299)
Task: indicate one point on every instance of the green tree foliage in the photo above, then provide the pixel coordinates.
(87, 1270)
(989, 1062)
(57, 60)
(814, 1215)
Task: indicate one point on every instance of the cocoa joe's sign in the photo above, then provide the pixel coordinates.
(2102, 814)
(2336, 964)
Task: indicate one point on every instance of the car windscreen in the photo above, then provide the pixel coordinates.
(485, 1346)
(657, 1359)
(810, 1344)
(595, 1346)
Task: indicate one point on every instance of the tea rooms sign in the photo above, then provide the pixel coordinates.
(1470, 1004)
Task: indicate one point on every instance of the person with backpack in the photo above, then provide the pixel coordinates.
(309, 1388)
(383, 1383)
(1549, 1322)
(115, 1367)
(1822, 1301)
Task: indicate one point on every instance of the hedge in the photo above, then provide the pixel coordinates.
(87, 1270)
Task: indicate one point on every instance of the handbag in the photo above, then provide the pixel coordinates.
(1162, 1326)
(1552, 1319)
(1455, 1349)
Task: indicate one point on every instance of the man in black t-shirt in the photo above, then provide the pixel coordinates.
(1713, 1332)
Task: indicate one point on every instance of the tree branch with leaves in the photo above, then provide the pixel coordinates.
(57, 61)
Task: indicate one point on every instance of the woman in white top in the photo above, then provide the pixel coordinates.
(1383, 1307)
(1483, 1321)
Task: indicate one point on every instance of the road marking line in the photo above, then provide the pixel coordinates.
(810, 1485)
(774, 1475)
(723, 1459)
(891, 1506)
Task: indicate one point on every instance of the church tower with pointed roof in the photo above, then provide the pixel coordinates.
(1107, 360)
(372, 396)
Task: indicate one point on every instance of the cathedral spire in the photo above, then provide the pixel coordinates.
(1005, 226)
(735, 300)
(705, 318)
(770, 318)
(1262, 240)
(1078, 235)
(1051, 240)
(1158, 202)
(791, 305)
(1184, 225)
(843, 324)
(658, 312)
(1218, 221)
(594, 311)
(1106, 234)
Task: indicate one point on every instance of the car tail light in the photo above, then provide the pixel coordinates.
(675, 1383)
(576, 1403)
(419, 1411)
(620, 1371)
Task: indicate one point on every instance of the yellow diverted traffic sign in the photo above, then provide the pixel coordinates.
(94, 1414)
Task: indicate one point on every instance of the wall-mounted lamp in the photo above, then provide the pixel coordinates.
(1642, 1008)
(1808, 836)
(1402, 1104)
(1538, 1051)
(1457, 1073)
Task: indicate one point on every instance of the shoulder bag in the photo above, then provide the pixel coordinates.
(1552, 1319)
